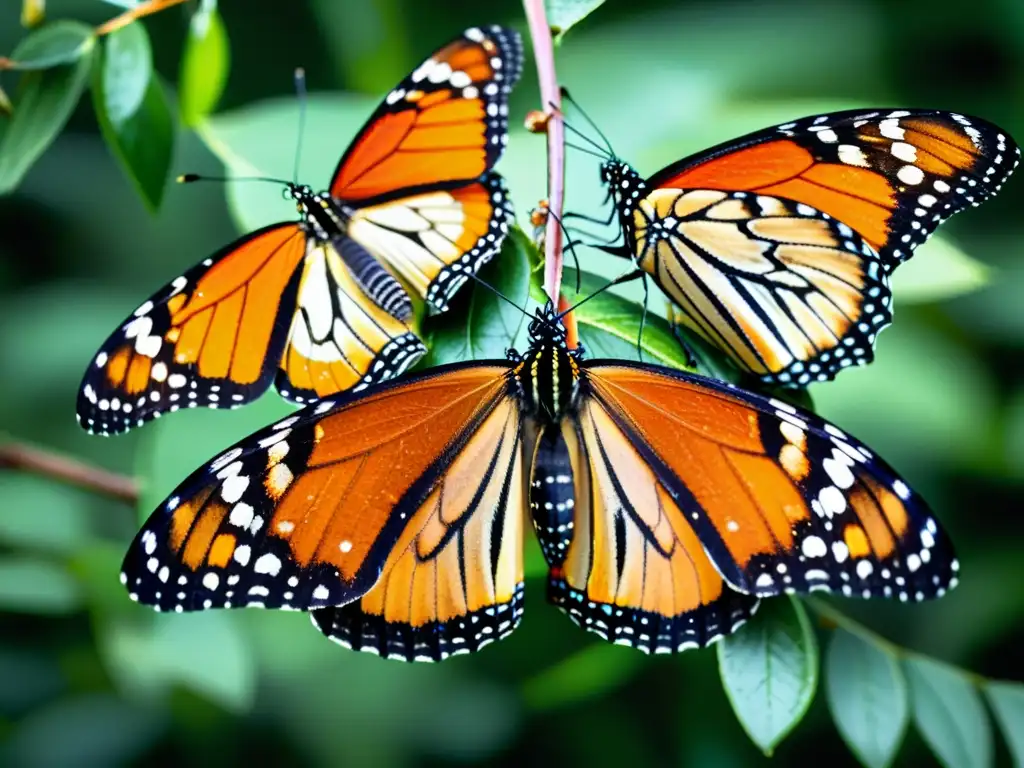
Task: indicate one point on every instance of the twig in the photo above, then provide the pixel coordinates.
(544, 53)
(68, 470)
(126, 18)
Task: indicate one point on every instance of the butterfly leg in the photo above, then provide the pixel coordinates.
(692, 359)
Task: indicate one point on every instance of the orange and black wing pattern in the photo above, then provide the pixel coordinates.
(780, 500)
(404, 505)
(625, 562)
(212, 337)
(442, 126)
(340, 339)
(789, 293)
(418, 178)
(891, 175)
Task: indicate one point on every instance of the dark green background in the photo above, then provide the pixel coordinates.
(86, 678)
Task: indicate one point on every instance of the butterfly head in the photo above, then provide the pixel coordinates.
(625, 186)
(302, 194)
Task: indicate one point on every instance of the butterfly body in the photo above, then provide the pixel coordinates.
(777, 247)
(547, 375)
(326, 304)
(326, 220)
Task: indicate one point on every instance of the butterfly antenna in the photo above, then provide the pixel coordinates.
(497, 293)
(585, 150)
(625, 277)
(189, 178)
(591, 123)
(600, 151)
(300, 91)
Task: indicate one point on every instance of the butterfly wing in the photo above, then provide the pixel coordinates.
(780, 499)
(435, 239)
(339, 338)
(453, 582)
(416, 182)
(413, 487)
(445, 124)
(891, 175)
(625, 562)
(788, 292)
(212, 337)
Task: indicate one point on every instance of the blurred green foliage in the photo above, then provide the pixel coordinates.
(91, 679)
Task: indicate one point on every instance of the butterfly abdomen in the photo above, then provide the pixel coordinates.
(552, 495)
(379, 284)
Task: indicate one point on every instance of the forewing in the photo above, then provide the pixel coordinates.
(306, 513)
(445, 124)
(212, 337)
(891, 175)
(780, 499)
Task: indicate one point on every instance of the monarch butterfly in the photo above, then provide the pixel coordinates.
(666, 505)
(323, 304)
(777, 246)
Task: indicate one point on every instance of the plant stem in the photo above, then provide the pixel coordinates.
(544, 54)
(126, 18)
(23, 457)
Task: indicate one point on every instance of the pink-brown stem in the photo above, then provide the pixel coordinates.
(544, 54)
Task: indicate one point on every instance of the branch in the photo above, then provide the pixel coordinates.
(551, 97)
(137, 12)
(70, 471)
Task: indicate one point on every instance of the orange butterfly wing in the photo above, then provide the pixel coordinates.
(447, 123)
(781, 500)
(891, 175)
(211, 337)
(453, 582)
(625, 561)
(397, 497)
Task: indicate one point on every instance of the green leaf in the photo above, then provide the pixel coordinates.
(596, 669)
(203, 651)
(34, 585)
(204, 66)
(126, 72)
(1007, 702)
(564, 14)
(44, 102)
(170, 449)
(949, 714)
(62, 42)
(939, 270)
(485, 326)
(620, 318)
(769, 671)
(133, 112)
(867, 695)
